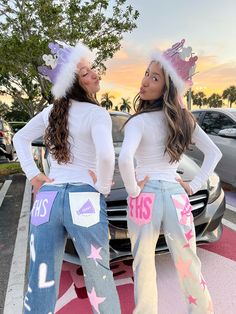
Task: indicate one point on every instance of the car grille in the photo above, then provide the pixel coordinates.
(124, 245)
(117, 210)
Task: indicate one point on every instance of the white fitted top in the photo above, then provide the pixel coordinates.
(145, 138)
(90, 137)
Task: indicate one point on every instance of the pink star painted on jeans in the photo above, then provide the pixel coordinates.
(186, 245)
(95, 253)
(189, 235)
(203, 283)
(192, 300)
(95, 300)
(183, 268)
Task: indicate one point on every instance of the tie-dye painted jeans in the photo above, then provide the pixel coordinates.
(165, 204)
(80, 211)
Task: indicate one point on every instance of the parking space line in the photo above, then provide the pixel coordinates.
(4, 190)
(229, 224)
(16, 282)
(230, 207)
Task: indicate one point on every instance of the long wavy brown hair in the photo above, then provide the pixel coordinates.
(181, 123)
(57, 133)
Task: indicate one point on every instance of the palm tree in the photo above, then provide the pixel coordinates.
(230, 94)
(125, 105)
(189, 95)
(215, 101)
(199, 99)
(106, 101)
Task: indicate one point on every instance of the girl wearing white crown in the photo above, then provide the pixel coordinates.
(157, 135)
(77, 133)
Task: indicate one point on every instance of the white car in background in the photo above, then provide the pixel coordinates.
(220, 125)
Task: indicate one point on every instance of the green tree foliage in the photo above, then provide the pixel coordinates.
(230, 95)
(27, 26)
(4, 108)
(215, 101)
(199, 99)
(19, 111)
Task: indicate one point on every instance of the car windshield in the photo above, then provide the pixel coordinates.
(117, 124)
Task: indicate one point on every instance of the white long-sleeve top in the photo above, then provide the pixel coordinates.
(91, 146)
(145, 138)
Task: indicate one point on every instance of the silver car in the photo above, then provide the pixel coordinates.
(220, 125)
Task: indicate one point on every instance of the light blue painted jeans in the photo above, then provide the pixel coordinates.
(165, 204)
(80, 211)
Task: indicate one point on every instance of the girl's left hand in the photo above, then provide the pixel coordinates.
(185, 185)
(38, 181)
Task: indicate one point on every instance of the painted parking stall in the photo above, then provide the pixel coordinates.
(217, 258)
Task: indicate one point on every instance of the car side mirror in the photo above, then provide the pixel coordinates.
(230, 133)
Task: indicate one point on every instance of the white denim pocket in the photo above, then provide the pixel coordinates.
(85, 208)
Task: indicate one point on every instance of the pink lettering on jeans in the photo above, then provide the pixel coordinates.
(140, 208)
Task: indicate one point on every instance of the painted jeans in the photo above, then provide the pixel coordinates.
(165, 204)
(80, 211)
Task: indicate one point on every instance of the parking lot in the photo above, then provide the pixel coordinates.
(218, 258)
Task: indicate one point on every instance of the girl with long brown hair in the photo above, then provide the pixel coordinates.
(157, 135)
(69, 200)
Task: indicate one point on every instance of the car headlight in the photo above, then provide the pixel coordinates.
(214, 187)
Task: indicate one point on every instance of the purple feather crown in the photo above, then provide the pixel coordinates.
(61, 65)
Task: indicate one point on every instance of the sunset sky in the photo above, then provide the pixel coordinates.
(209, 27)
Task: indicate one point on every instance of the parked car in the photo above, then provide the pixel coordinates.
(220, 125)
(17, 125)
(6, 144)
(208, 203)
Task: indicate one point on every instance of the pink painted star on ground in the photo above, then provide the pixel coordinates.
(95, 253)
(95, 300)
(192, 300)
(183, 268)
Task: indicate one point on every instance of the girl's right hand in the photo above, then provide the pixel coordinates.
(38, 181)
(93, 176)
